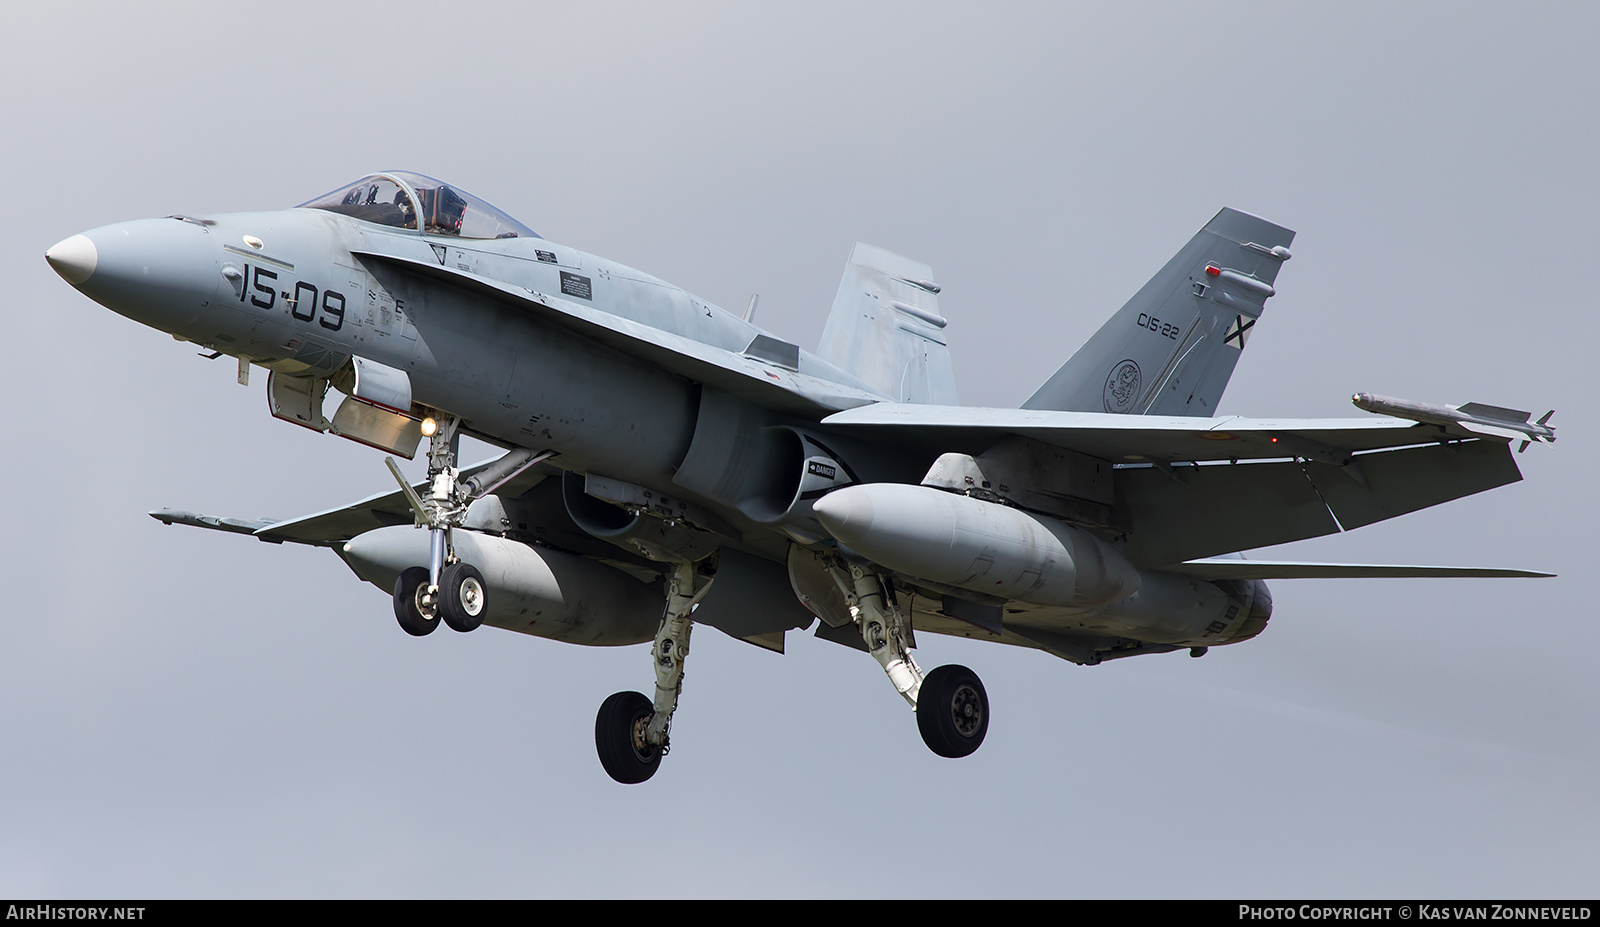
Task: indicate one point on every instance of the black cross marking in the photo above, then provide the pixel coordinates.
(1240, 329)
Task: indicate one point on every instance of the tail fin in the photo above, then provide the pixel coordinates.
(1173, 346)
(886, 329)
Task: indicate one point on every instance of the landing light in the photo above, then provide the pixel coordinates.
(429, 426)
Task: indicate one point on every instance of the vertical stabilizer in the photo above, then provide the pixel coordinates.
(1173, 346)
(885, 328)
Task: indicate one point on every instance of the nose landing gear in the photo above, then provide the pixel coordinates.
(448, 588)
(414, 606)
(461, 596)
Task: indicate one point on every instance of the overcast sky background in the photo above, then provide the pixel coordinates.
(193, 714)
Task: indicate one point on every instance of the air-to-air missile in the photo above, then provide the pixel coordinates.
(1475, 417)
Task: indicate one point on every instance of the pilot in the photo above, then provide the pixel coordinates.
(361, 202)
(445, 209)
(403, 203)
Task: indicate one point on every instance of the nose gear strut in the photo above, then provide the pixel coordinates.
(451, 590)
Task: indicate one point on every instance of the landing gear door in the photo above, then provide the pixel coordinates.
(380, 385)
(297, 400)
(376, 406)
(387, 431)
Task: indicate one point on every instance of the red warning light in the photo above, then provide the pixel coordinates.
(1212, 270)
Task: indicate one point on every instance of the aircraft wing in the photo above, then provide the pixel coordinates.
(751, 374)
(1240, 483)
(334, 526)
(1144, 438)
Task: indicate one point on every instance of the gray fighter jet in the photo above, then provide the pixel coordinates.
(667, 463)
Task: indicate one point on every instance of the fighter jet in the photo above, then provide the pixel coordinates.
(667, 463)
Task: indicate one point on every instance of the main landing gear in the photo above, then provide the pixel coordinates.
(952, 707)
(952, 711)
(620, 737)
(631, 731)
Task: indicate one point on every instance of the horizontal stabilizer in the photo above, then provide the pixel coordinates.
(1222, 568)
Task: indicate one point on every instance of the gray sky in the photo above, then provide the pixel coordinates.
(189, 714)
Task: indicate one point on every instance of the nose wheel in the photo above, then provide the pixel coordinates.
(414, 607)
(459, 600)
(461, 596)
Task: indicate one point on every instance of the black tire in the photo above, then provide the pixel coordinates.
(462, 597)
(952, 711)
(619, 738)
(408, 590)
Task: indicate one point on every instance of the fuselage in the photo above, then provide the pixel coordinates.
(298, 292)
(300, 303)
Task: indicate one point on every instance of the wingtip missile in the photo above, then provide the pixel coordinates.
(1476, 418)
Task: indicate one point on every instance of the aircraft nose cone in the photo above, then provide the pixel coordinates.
(846, 513)
(161, 272)
(74, 259)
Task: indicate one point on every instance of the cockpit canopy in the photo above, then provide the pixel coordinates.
(392, 199)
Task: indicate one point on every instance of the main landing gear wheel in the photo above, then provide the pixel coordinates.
(619, 738)
(461, 596)
(417, 614)
(952, 711)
